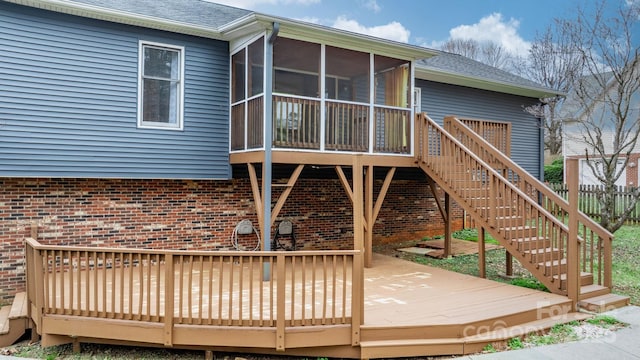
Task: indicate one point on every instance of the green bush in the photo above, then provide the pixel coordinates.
(553, 173)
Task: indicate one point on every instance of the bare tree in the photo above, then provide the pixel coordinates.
(487, 52)
(610, 121)
(554, 64)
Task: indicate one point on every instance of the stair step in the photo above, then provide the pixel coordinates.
(604, 303)
(521, 231)
(411, 347)
(4, 319)
(586, 278)
(13, 320)
(19, 306)
(554, 266)
(513, 219)
(529, 243)
(543, 254)
(593, 290)
(506, 333)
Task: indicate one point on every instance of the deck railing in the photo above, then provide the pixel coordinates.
(277, 290)
(505, 210)
(297, 124)
(347, 126)
(595, 241)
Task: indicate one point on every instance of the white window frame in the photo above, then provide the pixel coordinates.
(179, 124)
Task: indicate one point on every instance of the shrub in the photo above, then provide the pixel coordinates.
(553, 173)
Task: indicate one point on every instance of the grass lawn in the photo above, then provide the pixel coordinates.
(626, 262)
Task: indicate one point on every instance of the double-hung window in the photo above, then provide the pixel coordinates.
(160, 86)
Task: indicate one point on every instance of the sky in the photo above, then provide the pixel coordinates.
(511, 23)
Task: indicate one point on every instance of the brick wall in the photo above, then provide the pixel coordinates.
(174, 214)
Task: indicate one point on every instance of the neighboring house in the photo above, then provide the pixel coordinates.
(118, 122)
(594, 109)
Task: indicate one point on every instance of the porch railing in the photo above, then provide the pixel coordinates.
(595, 241)
(297, 124)
(253, 290)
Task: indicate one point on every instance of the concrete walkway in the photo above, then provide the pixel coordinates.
(620, 345)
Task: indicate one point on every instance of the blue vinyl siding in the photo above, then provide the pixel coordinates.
(439, 100)
(68, 101)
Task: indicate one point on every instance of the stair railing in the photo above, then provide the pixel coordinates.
(492, 200)
(594, 241)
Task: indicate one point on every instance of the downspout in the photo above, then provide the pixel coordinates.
(268, 137)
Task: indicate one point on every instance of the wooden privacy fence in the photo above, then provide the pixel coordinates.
(280, 291)
(590, 205)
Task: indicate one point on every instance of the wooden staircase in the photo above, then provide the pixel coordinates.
(530, 220)
(13, 320)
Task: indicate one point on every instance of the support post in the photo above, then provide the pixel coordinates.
(169, 297)
(508, 271)
(447, 225)
(482, 262)
(358, 226)
(368, 209)
(573, 254)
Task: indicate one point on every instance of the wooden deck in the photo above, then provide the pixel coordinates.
(403, 293)
(407, 309)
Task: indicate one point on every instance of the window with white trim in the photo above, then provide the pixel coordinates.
(160, 86)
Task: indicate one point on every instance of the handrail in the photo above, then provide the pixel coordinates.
(193, 288)
(489, 169)
(538, 191)
(495, 200)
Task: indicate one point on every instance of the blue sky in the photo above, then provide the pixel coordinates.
(511, 23)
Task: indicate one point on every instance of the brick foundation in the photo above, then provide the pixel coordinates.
(176, 214)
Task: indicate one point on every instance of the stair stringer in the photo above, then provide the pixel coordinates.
(533, 268)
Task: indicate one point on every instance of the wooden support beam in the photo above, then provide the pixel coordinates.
(508, 271)
(285, 194)
(447, 225)
(257, 197)
(368, 215)
(383, 192)
(358, 215)
(439, 204)
(347, 189)
(444, 212)
(573, 255)
(358, 226)
(482, 262)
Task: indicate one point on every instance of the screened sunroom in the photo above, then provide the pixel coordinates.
(324, 99)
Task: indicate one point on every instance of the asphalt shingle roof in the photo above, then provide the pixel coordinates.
(194, 12)
(458, 64)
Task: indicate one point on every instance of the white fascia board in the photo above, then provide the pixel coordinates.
(326, 35)
(483, 83)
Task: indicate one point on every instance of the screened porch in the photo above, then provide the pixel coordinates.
(323, 99)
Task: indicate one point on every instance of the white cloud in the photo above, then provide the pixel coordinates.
(494, 28)
(372, 5)
(391, 31)
(252, 4)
